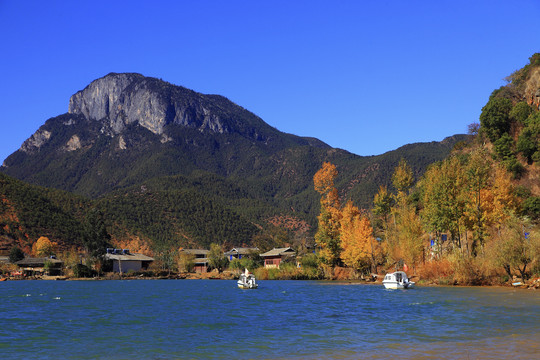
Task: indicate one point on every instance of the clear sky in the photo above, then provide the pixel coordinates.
(364, 76)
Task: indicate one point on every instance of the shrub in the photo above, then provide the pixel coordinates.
(527, 143)
(468, 271)
(514, 167)
(438, 271)
(310, 261)
(503, 147)
(83, 271)
(531, 207)
(15, 254)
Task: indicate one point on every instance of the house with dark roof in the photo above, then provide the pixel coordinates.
(40, 266)
(200, 258)
(240, 252)
(274, 257)
(123, 260)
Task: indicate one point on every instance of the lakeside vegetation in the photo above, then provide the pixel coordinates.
(470, 219)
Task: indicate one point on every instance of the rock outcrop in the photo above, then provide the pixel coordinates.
(33, 143)
(123, 99)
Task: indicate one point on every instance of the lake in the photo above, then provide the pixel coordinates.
(213, 319)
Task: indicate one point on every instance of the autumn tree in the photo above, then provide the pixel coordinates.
(409, 233)
(43, 247)
(499, 197)
(360, 249)
(404, 232)
(327, 237)
(403, 177)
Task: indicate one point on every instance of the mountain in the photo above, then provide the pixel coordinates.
(124, 128)
(145, 149)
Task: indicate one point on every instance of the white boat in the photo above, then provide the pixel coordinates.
(247, 281)
(397, 280)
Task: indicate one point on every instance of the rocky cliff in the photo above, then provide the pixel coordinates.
(123, 99)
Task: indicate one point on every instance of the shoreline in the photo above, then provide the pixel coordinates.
(532, 284)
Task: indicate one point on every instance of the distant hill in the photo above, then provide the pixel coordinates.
(172, 165)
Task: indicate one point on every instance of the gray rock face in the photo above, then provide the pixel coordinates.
(37, 140)
(122, 99)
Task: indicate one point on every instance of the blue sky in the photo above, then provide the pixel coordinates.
(364, 76)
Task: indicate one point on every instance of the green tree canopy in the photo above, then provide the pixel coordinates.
(520, 112)
(494, 118)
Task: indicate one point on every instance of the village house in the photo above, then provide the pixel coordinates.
(123, 260)
(200, 259)
(240, 252)
(274, 257)
(40, 266)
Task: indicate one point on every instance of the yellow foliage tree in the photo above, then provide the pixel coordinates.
(410, 235)
(500, 200)
(44, 247)
(402, 178)
(360, 249)
(328, 232)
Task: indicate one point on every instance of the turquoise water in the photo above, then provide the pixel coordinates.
(213, 319)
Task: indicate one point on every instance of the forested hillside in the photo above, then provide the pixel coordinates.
(171, 167)
(472, 218)
(28, 212)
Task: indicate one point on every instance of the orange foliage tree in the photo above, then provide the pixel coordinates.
(44, 247)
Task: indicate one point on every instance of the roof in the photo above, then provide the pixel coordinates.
(37, 262)
(128, 257)
(196, 251)
(279, 252)
(242, 251)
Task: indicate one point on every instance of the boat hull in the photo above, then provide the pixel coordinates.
(397, 280)
(246, 287)
(395, 285)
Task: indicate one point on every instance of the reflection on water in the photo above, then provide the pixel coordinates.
(162, 319)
